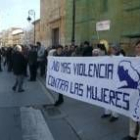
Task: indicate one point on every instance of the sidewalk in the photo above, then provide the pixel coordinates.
(20, 115)
(85, 120)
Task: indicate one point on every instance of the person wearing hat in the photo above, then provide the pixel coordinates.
(115, 49)
(101, 50)
(19, 68)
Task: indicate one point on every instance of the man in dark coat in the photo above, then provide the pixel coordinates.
(32, 60)
(87, 50)
(19, 68)
(59, 53)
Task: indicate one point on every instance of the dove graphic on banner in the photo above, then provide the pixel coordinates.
(131, 76)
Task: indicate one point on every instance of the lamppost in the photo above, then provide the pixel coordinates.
(31, 13)
(73, 22)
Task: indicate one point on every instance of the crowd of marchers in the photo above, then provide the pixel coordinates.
(20, 59)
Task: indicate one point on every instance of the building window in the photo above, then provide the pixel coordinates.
(104, 5)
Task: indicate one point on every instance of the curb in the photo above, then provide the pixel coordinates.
(52, 98)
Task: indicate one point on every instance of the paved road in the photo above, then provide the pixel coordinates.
(19, 120)
(33, 95)
(74, 120)
(77, 120)
(10, 124)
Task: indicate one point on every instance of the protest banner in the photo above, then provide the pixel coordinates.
(109, 82)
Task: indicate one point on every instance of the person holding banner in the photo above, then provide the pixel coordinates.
(115, 50)
(134, 127)
(59, 53)
(102, 50)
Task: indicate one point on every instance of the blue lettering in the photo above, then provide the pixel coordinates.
(90, 70)
(110, 71)
(94, 70)
(126, 101)
(118, 97)
(65, 68)
(102, 71)
(76, 88)
(58, 83)
(105, 95)
(114, 98)
(55, 66)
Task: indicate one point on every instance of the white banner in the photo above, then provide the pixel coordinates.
(109, 82)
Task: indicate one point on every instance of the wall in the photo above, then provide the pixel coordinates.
(123, 15)
(52, 16)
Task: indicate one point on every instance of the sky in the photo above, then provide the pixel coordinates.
(14, 13)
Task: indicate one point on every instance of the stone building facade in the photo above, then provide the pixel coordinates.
(110, 20)
(52, 22)
(18, 36)
(11, 36)
(37, 30)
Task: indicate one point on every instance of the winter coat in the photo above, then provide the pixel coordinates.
(32, 58)
(19, 63)
(87, 51)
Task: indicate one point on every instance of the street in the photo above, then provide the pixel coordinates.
(22, 116)
(10, 124)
